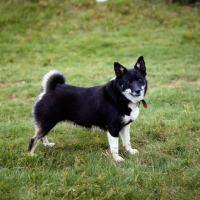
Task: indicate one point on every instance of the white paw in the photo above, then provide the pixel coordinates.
(32, 154)
(117, 158)
(133, 151)
(48, 144)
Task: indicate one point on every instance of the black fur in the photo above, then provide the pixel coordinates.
(101, 106)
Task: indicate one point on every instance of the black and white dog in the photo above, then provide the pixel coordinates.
(111, 107)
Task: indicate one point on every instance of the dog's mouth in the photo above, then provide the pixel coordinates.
(135, 95)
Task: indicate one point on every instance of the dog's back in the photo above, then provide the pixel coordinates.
(60, 102)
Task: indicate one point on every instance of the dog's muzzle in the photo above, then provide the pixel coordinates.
(137, 93)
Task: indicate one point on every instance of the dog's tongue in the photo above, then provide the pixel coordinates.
(144, 103)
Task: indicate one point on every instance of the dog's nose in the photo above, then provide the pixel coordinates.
(137, 92)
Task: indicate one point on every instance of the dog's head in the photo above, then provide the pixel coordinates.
(132, 82)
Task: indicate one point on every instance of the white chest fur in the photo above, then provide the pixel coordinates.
(134, 113)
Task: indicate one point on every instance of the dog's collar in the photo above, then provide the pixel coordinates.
(144, 103)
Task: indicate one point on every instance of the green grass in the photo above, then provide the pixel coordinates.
(83, 39)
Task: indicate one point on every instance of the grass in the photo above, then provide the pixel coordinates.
(83, 39)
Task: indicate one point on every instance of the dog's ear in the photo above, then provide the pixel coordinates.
(140, 65)
(119, 69)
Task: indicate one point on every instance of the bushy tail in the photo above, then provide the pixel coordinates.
(50, 80)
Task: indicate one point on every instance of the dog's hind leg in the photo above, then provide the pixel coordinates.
(46, 143)
(34, 141)
(40, 134)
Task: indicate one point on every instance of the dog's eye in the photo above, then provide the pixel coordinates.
(139, 80)
(128, 82)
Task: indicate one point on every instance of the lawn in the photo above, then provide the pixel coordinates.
(83, 39)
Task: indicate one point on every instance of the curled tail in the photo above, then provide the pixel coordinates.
(50, 80)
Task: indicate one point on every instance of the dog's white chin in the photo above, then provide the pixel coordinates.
(132, 98)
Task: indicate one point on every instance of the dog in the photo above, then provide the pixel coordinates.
(111, 107)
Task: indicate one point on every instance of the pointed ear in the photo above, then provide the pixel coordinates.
(119, 69)
(140, 65)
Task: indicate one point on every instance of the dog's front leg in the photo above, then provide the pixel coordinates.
(114, 147)
(125, 136)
